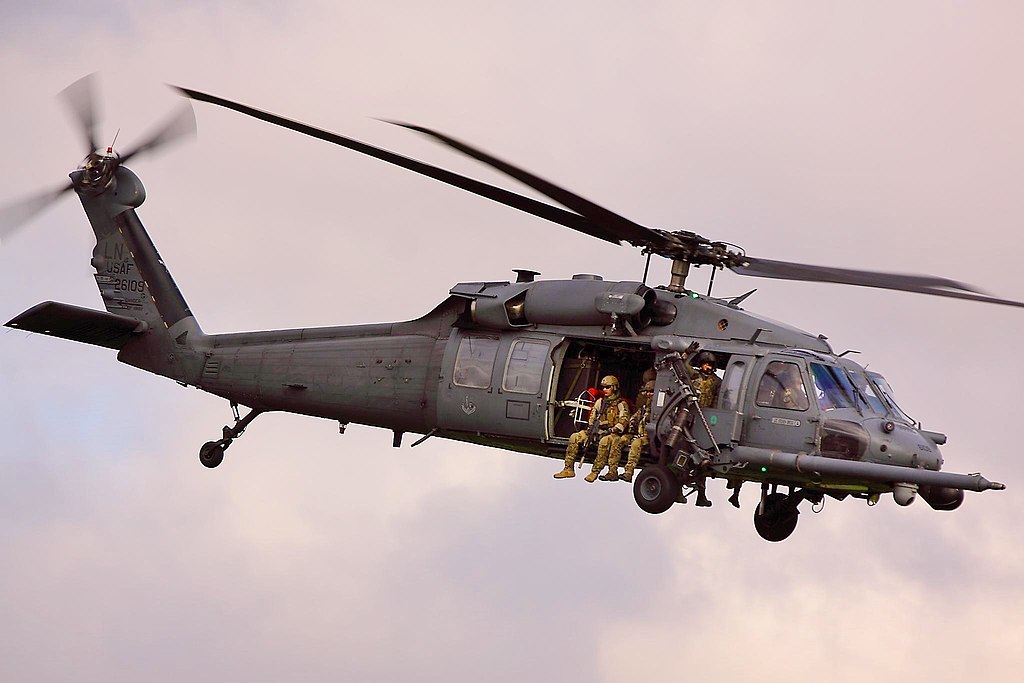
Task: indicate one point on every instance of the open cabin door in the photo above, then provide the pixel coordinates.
(725, 419)
(581, 363)
(496, 383)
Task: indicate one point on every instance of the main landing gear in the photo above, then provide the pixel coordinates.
(776, 516)
(658, 486)
(211, 453)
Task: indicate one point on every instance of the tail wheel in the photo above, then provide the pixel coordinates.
(778, 518)
(655, 489)
(212, 453)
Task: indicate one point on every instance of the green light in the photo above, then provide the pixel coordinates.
(764, 469)
(694, 295)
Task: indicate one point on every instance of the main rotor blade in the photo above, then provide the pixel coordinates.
(179, 125)
(616, 225)
(920, 284)
(16, 215)
(785, 270)
(502, 196)
(79, 96)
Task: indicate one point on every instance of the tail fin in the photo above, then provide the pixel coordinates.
(147, 318)
(131, 276)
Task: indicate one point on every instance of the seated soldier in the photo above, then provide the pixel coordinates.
(635, 436)
(606, 422)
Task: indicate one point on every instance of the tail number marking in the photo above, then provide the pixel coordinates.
(123, 285)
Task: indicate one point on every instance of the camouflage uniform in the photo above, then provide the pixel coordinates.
(636, 434)
(613, 422)
(706, 384)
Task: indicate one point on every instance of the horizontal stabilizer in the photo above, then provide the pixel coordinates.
(78, 324)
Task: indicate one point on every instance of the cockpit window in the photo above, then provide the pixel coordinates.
(782, 387)
(886, 391)
(867, 391)
(832, 387)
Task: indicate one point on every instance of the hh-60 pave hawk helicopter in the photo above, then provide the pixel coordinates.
(506, 364)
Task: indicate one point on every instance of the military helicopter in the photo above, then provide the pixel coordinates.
(509, 364)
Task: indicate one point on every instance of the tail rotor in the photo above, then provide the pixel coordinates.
(100, 163)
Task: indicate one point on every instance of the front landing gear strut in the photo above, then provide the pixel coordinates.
(212, 452)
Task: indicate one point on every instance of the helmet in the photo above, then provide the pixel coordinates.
(650, 374)
(610, 381)
(705, 357)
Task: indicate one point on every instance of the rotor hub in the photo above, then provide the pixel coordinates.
(97, 171)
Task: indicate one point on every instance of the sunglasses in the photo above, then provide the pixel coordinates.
(607, 386)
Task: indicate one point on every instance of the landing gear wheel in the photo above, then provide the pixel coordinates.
(655, 489)
(212, 453)
(779, 518)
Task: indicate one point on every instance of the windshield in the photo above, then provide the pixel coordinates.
(867, 391)
(886, 392)
(832, 387)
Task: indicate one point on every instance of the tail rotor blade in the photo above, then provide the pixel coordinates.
(182, 124)
(81, 100)
(14, 216)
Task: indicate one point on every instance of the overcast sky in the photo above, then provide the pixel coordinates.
(873, 135)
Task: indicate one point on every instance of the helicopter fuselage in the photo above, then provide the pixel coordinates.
(512, 365)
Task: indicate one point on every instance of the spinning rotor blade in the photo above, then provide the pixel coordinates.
(16, 215)
(616, 226)
(597, 221)
(80, 98)
(785, 270)
(516, 201)
(920, 284)
(179, 125)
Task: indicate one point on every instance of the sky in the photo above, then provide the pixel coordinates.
(877, 135)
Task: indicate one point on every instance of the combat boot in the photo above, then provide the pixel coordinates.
(590, 478)
(613, 475)
(566, 473)
(626, 476)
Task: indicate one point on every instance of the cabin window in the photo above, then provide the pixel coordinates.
(474, 362)
(782, 386)
(525, 369)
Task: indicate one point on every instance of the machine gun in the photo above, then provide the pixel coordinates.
(680, 411)
(594, 429)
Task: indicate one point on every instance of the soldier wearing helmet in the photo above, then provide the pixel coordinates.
(607, 420)
(635, 436)
(705, 382)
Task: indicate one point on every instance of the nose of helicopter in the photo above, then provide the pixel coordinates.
(895, 443)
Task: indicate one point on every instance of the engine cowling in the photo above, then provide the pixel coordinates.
(564, 302)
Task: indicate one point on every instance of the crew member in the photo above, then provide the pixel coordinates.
(705, 382)
(610, 412)
(635, 436)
